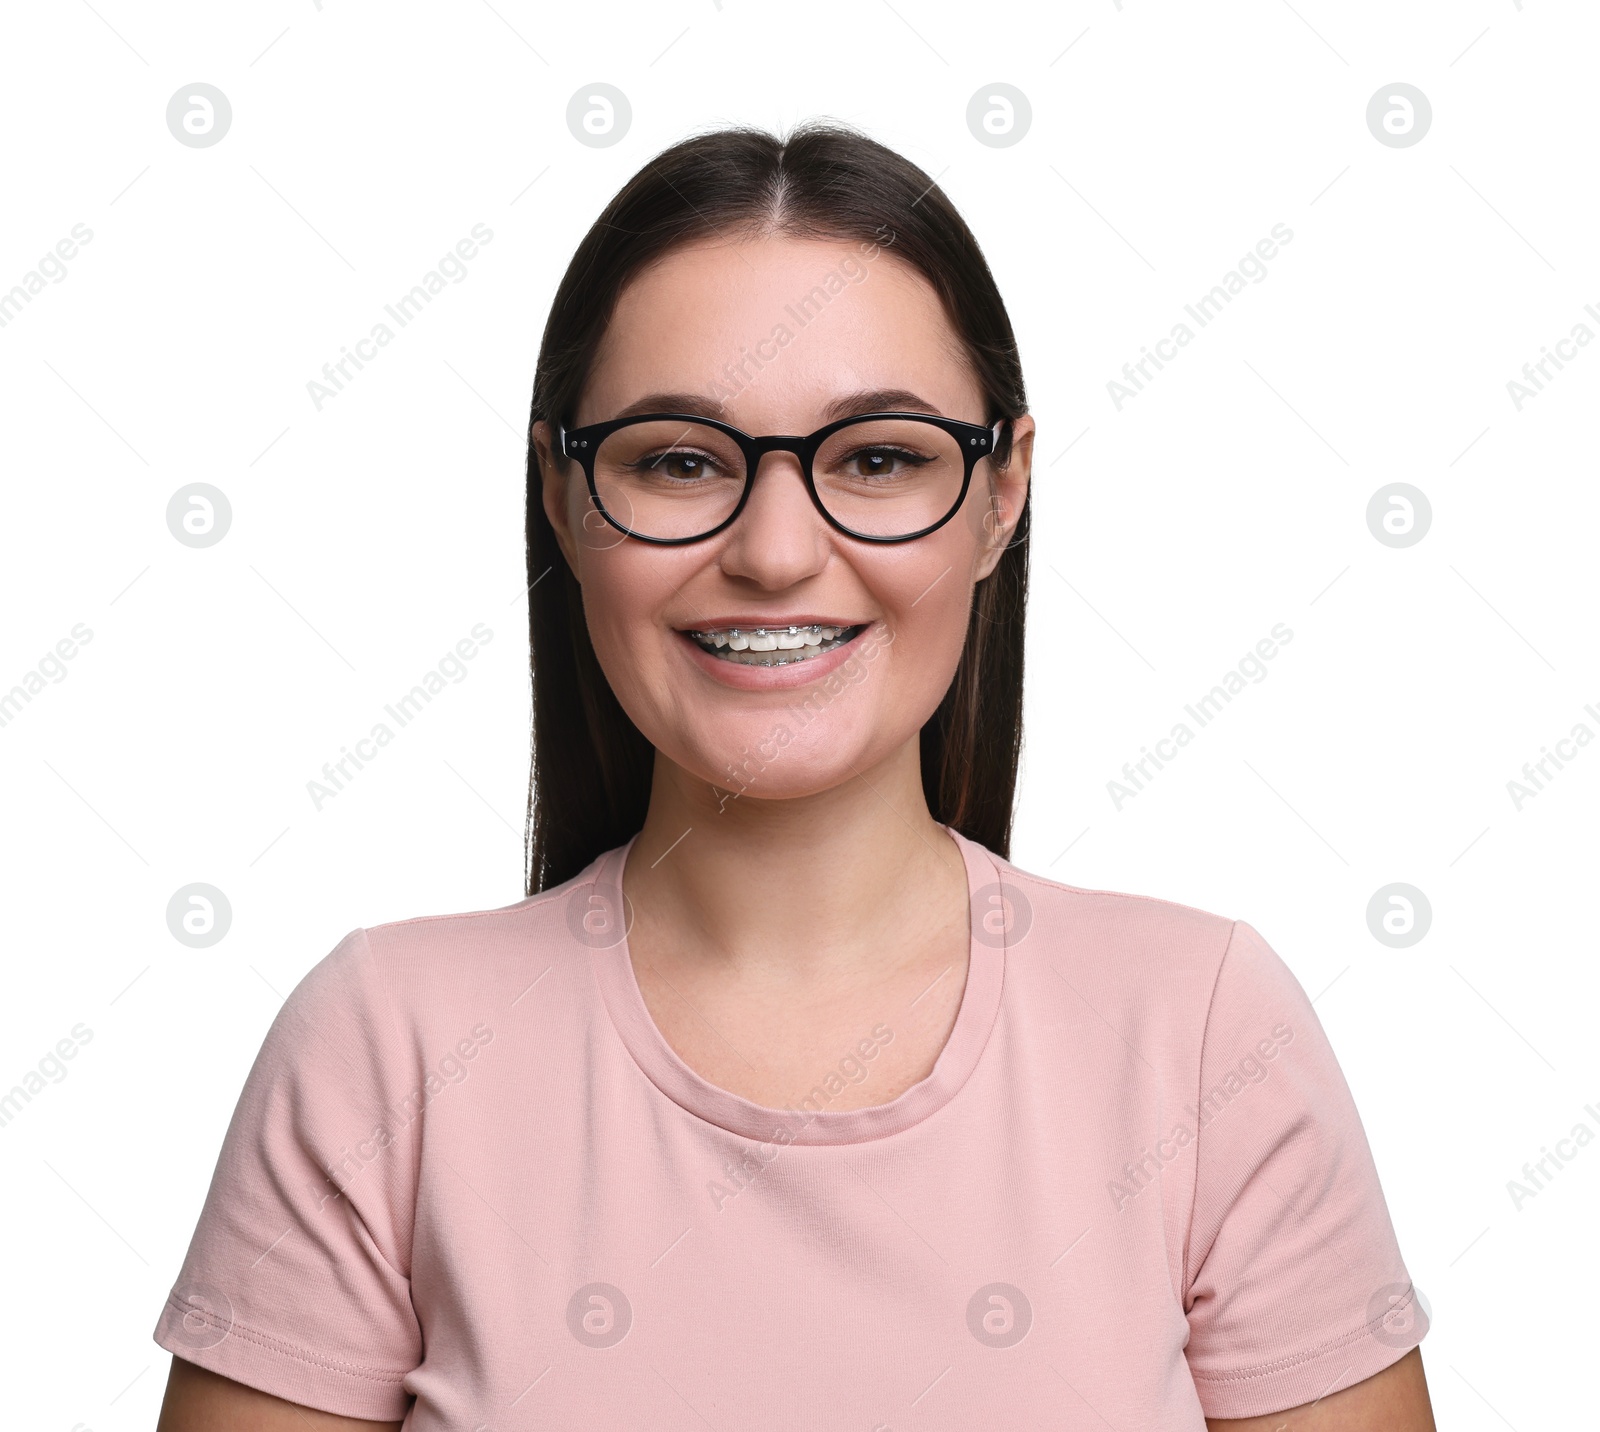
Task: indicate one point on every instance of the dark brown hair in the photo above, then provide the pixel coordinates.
(589, 782)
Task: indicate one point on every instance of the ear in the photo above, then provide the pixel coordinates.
(1008, 490)
(556, 472)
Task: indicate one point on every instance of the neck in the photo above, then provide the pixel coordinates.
(808, 885)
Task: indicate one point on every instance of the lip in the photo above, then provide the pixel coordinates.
(770, 678)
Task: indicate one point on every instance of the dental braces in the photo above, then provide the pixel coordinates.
(768, 631)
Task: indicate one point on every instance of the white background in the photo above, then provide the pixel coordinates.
(1170, 536)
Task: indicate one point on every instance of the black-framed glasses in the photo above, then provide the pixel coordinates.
(878, 477)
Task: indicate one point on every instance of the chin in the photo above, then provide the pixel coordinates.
(780, 755)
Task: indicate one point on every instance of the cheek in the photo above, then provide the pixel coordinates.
(936, 634)
(926, 609)
(623, 590)
(588, 528)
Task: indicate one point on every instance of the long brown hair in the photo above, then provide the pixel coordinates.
(589, 780)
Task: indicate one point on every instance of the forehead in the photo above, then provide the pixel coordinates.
(775, 327)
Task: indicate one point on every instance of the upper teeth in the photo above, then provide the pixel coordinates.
(786, 638)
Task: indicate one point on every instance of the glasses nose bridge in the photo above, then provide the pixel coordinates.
(760, 447)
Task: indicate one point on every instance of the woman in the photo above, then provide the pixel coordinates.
(785, 1100)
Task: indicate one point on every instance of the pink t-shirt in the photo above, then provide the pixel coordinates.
(467, 1169)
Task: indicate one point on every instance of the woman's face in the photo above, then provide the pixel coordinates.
(877, 339)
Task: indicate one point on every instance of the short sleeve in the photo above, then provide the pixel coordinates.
(296, 1281)
(1294, 1283)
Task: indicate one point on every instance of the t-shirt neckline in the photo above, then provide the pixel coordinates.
(969, 1035)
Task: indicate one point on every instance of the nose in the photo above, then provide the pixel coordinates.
(780, 538)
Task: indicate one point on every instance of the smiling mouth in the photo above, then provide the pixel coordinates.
(773, 646)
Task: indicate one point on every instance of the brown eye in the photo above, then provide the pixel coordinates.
(883, 462)
(682, 464)
(679, 465)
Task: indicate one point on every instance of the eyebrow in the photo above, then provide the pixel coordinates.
(847, 405)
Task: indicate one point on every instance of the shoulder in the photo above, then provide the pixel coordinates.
(1151, 968)
(440, 975)
(1147, 913)
(419, 949)
(1111, 928)
(1181, 990)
